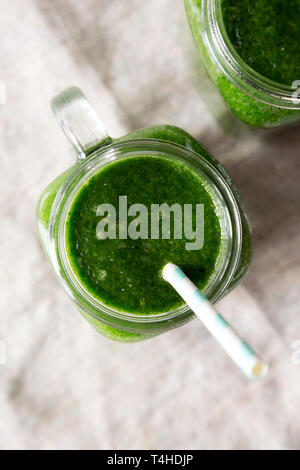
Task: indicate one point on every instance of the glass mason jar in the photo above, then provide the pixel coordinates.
(253, 98)
(95, 149)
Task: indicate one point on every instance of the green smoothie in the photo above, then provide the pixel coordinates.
(266, 34)
(125, 274)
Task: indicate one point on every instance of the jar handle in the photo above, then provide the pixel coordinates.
(79, 122)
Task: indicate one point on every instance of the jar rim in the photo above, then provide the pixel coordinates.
(233, 66)
(129, 149)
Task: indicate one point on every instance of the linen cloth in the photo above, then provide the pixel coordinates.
(65, 387)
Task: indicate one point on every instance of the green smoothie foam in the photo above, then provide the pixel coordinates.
(266, 34)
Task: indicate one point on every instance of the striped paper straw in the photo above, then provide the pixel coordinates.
(239, 351)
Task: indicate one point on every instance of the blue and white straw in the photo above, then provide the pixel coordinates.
(239, 351)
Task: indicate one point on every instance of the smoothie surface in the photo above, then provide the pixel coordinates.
(125, 274)
(266, 35)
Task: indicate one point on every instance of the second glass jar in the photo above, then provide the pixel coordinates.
(253, 98)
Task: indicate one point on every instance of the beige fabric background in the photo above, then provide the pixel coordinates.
(63, 386)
